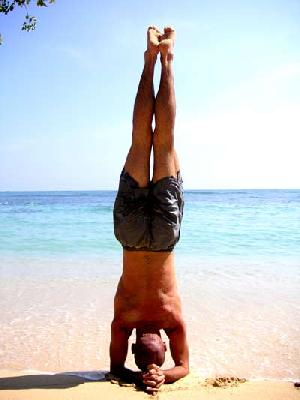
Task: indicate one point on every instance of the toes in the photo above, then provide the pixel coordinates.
(169, 32)
(154, 28)
(154, 34)
(169, 29)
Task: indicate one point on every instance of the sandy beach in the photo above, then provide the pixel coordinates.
(240, 305)
(27, 385)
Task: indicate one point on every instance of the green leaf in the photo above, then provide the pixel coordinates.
(7, 6)
(29, 24)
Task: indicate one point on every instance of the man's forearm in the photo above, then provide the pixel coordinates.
(173, 374)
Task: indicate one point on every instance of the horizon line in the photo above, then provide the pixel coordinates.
(115, 190)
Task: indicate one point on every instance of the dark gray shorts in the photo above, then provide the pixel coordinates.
(148, 218)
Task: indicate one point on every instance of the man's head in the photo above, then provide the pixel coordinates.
(148, 349)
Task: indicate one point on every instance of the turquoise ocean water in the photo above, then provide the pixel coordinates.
(249, 223)
(238, 265)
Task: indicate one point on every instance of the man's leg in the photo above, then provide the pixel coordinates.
(165, 158)
(138, 159)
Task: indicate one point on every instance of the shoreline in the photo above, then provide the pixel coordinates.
(76, 385)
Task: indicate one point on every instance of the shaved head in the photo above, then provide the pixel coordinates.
(149, 349)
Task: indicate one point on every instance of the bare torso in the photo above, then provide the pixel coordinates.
(147, 293)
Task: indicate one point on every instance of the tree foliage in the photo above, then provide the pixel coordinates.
(7, 6)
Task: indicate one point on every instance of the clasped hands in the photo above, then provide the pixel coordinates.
(154, 378)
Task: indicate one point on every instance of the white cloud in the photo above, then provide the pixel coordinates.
(249, 138)
(241, 148)
(285, 71)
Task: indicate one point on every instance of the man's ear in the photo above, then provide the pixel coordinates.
(165, 346)
(133, 348)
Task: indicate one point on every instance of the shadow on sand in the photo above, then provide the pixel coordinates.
(62, 380)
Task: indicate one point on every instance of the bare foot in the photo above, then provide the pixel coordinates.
(153, 38)
(166, 44)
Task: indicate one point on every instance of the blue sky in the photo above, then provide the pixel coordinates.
(67, 92)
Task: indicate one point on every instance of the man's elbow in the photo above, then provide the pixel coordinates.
(186, 370)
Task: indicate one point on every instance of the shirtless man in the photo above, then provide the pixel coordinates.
(147, 218)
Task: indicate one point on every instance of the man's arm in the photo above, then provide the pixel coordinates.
(118, 352)
(180, 353)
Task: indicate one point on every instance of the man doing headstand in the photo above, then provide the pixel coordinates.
(147, 218)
